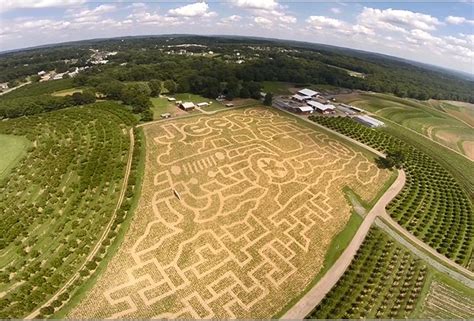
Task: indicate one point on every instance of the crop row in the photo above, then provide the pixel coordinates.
(383, 281)
(432, 205)
(55, 204)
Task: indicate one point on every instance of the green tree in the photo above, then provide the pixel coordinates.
(171, 86)
(268, 99)
(155, 87)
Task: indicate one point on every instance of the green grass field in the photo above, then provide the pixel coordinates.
(161, 105)
(277, 88)
(13, 149)
(431, 121)
(66, 92)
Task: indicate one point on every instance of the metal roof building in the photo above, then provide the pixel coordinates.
(307, 92)
(368, 121)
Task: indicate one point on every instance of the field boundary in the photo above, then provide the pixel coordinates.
(96, 248)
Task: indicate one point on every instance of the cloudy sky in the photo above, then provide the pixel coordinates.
(435, 32)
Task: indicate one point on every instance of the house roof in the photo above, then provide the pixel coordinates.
(320, 106)
(187, 105)
(202, 104)
(307, 92)
(305, 108)
(370, 120)
(300, 97)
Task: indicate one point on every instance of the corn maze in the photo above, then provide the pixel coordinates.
(237, 212)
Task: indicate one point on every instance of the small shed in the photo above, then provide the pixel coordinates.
(171, 99)
(229, 105)
(203, 104)
(165, 115)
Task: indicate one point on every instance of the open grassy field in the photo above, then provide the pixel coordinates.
(237, 214)
(13, 149)
(430, 120)
(66, 92)
(57, 201)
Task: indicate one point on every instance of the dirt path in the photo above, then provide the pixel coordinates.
(12, 89)
(311, 299)
(426, 248)
(96, 248)
(423, 255)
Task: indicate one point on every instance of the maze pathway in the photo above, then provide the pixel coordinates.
(237, 212)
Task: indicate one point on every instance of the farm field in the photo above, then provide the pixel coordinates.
(383, 281)
(13, 149)
(432, 206)
(75, 167)
(40, 88)
(444, 301)
(433, 120)
(238, 211)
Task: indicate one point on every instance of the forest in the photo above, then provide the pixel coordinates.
(237, 66)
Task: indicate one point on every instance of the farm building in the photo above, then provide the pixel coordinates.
(171, 99)
(307, 92)
(368, 121)
(165, 115)
(300, 98)
(229, 105)
(187, 106)
(304, 110)
(204, 104)
(323, 109)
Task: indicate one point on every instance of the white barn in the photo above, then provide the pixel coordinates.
(323, 109)
(307, 92)
(368, 121)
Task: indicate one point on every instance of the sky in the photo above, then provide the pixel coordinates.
(434, 32)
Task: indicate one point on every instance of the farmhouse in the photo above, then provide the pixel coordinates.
(204, 104)
(187, 106)
(368, 121)
(323, 109)
(307, 92)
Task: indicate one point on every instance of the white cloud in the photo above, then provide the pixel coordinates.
(458, 20)
(336, 10)
(264, 22)
(231, 19)
(257, 4)
(397, 20)
(21, 4)
(321, 22)
(198, 9)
